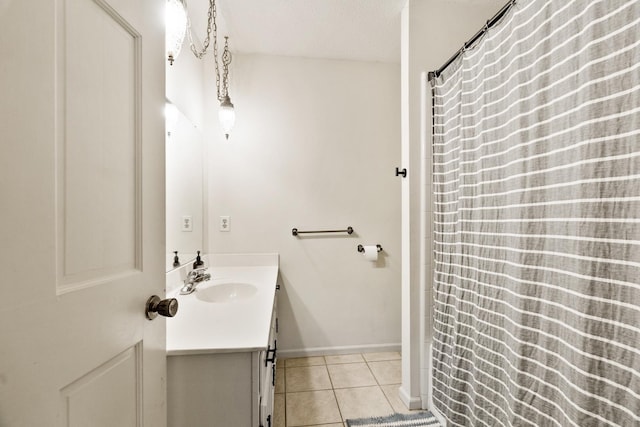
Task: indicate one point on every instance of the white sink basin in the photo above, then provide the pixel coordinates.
(239, 296)
(226, 292)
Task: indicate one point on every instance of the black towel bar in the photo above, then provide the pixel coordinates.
(295, 231)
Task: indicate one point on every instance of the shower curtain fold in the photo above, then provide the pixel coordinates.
(536, 175)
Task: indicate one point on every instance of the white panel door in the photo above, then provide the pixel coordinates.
(81, 213)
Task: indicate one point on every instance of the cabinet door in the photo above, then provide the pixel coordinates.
(267, 375)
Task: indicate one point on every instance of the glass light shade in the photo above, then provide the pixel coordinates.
(171, 117)
(227, 116)
(176, 28)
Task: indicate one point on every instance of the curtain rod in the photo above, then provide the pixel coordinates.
(490, 23)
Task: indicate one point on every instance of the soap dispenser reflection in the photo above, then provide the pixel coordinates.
(198, 262)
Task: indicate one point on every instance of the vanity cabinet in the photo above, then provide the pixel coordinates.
(223, 388)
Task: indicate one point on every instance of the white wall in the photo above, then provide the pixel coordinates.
(315, 146)
(432, 31)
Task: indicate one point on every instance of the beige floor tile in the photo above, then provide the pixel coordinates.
(343, 358)
(362, 402)
(311, 408)
(278, 410)
(388, 355)
(304, 361)
(307, 378)
(387, 372)
(393, 395)
(351, 375)
(280, 378)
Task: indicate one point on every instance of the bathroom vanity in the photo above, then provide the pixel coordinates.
(222, 344)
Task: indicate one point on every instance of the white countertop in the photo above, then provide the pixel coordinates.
(240, 325)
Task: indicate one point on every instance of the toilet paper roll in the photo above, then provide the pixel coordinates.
(370, 252)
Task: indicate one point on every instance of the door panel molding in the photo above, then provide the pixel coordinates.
(83, 401)
(99, 184)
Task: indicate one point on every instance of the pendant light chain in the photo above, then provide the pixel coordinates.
(226, 60)
(212, 29)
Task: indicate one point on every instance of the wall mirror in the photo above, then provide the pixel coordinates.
(184, 187)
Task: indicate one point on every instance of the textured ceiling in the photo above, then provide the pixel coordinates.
(338, 29)
(366, 30)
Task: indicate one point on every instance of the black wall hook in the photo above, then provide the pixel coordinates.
(402, 172)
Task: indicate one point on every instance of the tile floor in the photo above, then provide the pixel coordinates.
(324, 391)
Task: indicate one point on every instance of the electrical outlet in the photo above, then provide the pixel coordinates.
(187, 223)
(225, 223)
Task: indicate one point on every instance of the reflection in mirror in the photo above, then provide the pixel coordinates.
(184, 187)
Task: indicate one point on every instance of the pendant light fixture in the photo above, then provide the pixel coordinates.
(178, 23)
(226, 113)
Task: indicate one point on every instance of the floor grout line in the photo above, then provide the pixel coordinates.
(380, 386)
(333, 389)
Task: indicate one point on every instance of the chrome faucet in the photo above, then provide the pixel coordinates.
(193, 278)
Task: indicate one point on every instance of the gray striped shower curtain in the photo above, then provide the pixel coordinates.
(536, 171)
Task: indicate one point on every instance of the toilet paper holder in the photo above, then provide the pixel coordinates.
(361, 248)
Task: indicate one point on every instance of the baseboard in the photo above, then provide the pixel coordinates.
(322, 351)
(411, 402)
